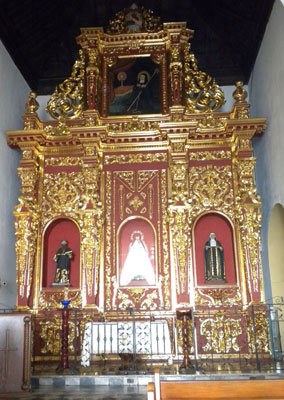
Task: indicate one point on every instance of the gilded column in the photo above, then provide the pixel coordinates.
(92, 221)
(26, 225)
(93, 81)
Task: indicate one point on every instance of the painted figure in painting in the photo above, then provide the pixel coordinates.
(135, 88)
(137, 265)
(214, 260)
(62, 258)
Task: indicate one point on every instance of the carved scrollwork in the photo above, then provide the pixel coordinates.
(217, 297)
(67, 101)
(91, 231)
(165, 279)
(203, 93)
(125, 300)
(212, 187)
(258, 332)
(60, 130)
(221, 334)
(180, 228)
(134, 19)
(179, 181)
(249, 218)
(149, 303)
(91, 175)
(63, 191)
(212, 155)
(135, 158)
(134, 125)
(27, 199)
(51, 300)
(26, 236)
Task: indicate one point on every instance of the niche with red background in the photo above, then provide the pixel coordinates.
(126, 234)
(61, 229)
(218, 224)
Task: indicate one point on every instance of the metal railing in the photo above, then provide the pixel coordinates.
(228, 340)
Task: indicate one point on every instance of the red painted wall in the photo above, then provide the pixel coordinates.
(221, 227)
(58, 230)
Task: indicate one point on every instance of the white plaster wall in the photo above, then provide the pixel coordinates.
(266, 88)
(13, 95)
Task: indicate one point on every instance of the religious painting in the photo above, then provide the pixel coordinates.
(134, 87)
(137, 254)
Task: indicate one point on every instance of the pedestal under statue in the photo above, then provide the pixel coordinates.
(214, 260)
(62, 257)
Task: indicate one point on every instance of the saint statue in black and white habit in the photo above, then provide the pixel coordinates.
(214, 260)
(62, 258)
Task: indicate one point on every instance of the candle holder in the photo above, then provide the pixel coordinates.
(64, 361)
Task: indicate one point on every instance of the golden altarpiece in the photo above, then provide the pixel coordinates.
(135, 171)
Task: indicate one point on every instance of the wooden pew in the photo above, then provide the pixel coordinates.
(226, 390)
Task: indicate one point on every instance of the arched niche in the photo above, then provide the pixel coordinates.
(276, 250)
(217, 223)
(57, 230)
(136, 254)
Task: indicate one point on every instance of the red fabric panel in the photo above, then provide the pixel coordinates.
(221, 227)
(58, 230)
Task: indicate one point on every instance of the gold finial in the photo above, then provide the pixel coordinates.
(240, 94)
(32, 105)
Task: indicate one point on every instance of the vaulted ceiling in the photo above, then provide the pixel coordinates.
(40, 35)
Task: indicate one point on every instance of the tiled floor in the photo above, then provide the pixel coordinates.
(91, 393)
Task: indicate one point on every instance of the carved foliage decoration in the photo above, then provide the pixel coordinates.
(91, 236)
(249, 218)
(93, 80)
(29, 177)
(62, 191)
(50, 335)
(221, 334)
(67, 101)
(175, 74)
(203, 93)
(217, 298)
(26, 226)
(91, 176)
(258, 331)
(107, 254)
(165, 279)
(179, 181)
(211, 186)
(210, 155)
(134, 19)
(180, 228)
(52, 300)
(135, 158)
